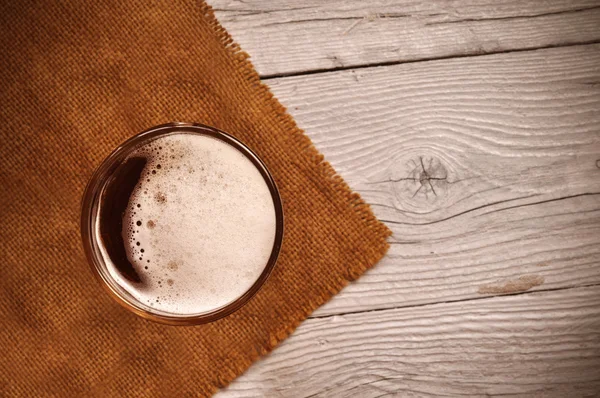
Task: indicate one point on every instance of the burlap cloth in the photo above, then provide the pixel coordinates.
(77, 79)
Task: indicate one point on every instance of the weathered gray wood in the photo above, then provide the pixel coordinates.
(486, 169)
(292, 36)
(540, 344)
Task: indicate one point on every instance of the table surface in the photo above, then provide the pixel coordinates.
(473, 129)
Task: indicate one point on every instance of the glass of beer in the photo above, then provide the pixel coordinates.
(182, 224)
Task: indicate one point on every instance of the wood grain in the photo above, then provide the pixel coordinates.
(540, 344)
(294, 36)
(485, 168)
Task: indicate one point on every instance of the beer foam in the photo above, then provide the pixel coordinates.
(199, 227)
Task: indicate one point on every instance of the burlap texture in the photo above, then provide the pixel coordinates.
(77, 79)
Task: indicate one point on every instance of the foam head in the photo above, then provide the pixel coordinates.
(197, 224)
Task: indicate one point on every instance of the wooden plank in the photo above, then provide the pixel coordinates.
(294, 36)
(487, 169)
(540, 344)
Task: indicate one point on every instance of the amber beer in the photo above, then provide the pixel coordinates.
(183, 223)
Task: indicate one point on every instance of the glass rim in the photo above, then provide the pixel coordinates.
(90, 202)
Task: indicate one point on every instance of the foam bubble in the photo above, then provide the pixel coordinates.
(200, 225)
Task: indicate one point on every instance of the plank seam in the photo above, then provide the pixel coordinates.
(546, 14)
(473, 54)
(497, 210)
(487, 297)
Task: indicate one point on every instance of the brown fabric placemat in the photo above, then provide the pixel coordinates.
(78, 78)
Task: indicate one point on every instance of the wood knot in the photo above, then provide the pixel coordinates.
(420, 182)
(428, 176)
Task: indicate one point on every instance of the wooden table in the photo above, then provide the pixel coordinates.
(473, 129)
